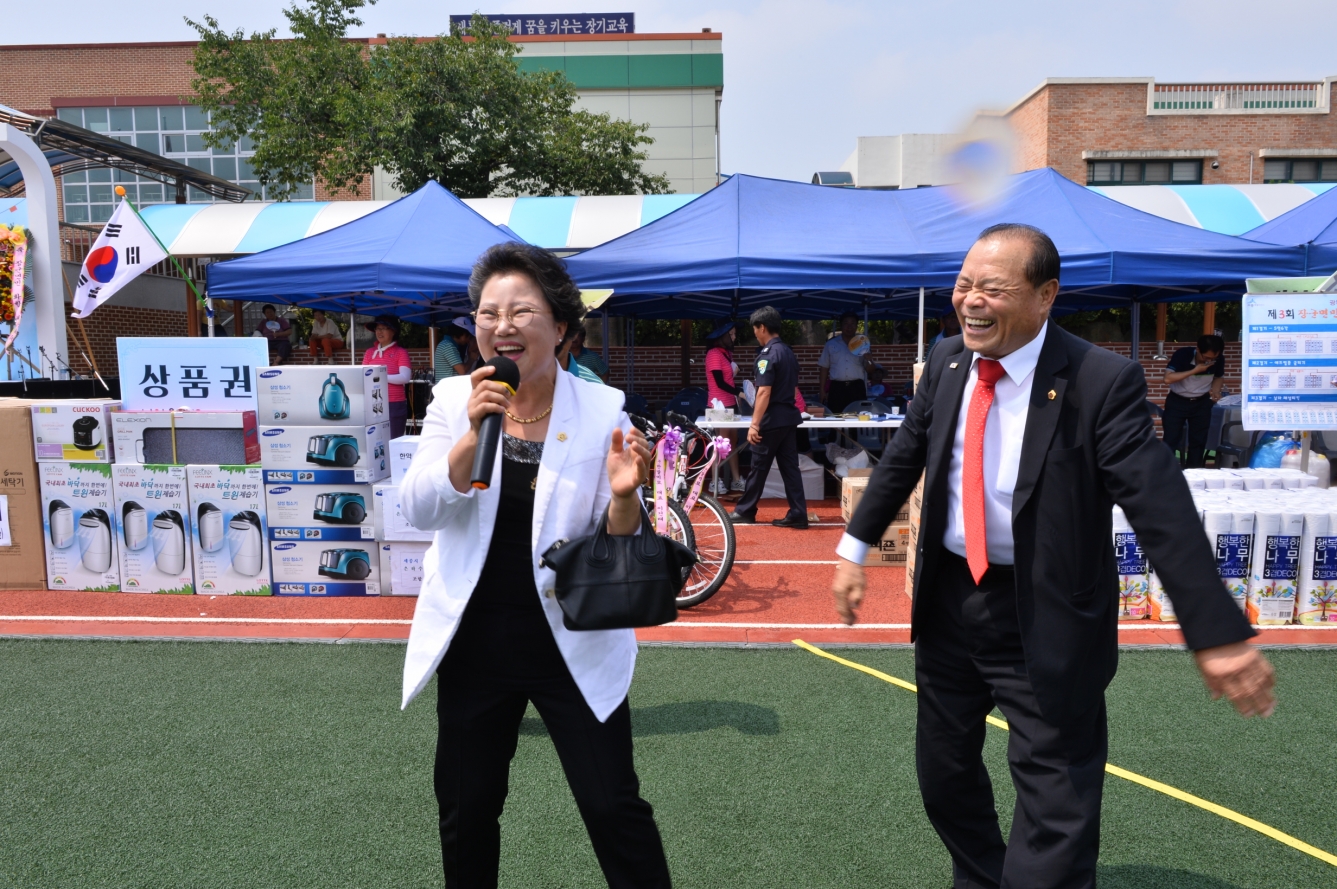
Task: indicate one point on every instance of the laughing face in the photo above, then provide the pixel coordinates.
(999, 309)
(523, 326)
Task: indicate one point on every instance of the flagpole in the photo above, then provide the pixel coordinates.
(120, 192)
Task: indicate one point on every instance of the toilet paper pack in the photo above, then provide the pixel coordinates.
(1231, 537)
(1275, 569)
(1132, 568)
(231, 549)
(81, 531)
(1159, 606)
(354, 395)
(153, 512)
(321, 568)
(1316, 599)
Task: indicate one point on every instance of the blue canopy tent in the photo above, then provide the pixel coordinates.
(1313, 226)
(411, 259)
(814, 250)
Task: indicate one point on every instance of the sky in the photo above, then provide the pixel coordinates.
(803, 79)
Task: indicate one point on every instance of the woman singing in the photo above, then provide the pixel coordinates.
(486, 622)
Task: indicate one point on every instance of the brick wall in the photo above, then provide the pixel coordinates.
(111, 321)
(1060, 121)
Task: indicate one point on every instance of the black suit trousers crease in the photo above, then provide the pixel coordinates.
(779, 445)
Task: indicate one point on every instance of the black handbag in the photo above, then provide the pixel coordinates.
(607, 582)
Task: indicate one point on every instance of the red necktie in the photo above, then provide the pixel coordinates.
(972, 467)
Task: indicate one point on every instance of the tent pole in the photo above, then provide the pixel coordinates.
(352, 333)
(431, 346)
(919, 357)
(1161, 312)
(631, 354)
(1135, 344)
(604, 322)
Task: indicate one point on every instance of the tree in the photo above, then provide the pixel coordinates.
(455, 109)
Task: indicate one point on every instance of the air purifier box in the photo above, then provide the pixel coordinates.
(325, 568)
(23, 560)
(390, 523)
(402, 567)
(313, 510)
(402, 450)
(322, 395)
(153, 514)
(79, 520)
(358, 450)
(180, 438)
(73, 431)
(227, 509)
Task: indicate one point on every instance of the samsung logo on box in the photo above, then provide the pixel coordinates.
(285, 546)
(269, 374)
(279, 490)
(273, 432)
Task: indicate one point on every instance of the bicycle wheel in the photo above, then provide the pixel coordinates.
(713, 540)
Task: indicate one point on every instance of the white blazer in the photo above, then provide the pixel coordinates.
(571, 494)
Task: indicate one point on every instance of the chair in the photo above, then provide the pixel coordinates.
(690, 402)
(868, 405)
(636, 404)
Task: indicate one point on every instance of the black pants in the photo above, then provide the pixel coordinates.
(479, 725)
(968, 659)
(1198, 413)
(399, 415)
(780, 446)
(842, 392)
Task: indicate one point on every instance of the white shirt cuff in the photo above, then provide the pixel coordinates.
(852, 549)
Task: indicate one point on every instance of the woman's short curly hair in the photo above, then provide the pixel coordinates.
(541, 266)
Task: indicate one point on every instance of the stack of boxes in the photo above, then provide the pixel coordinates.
(893, 550)
(401, 545)
(323, 444)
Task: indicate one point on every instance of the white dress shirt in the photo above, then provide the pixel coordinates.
(1003, 434)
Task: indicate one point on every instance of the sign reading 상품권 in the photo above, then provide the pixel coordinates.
(1290, 358)
(195, 373)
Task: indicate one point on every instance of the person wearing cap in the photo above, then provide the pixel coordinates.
(844, 374)
(398, 368)
(720, 370)
(325, 336)
(592, 360)
(451, 353)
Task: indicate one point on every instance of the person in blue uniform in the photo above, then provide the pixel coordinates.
(773, 433)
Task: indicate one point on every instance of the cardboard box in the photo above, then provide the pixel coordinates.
(916, 507)
(852, 489)
(23, 560)
(325, 395)
(80, 524)
(390, 523)
(180, 438)
(350, 568)
(314, 504)
(73, 431)
(153, 510)
(402, 568)
(892, 551)
(227, 506)
(360, 450)
(402, 450)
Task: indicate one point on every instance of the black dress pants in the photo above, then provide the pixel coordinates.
(779, 445)
(479, 725)
(968, 659)
(1198, 413)
(844, 392)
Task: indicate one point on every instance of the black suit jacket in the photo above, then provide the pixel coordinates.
(1090, 446)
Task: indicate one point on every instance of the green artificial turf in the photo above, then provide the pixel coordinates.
(233, 765)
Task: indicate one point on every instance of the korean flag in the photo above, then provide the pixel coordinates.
(125, 249)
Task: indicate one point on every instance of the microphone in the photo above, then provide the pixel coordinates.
(489, 431)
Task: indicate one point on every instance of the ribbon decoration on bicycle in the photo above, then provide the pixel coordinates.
(717, 450)
(666, 455)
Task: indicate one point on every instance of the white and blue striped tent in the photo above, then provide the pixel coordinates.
(1226, 209)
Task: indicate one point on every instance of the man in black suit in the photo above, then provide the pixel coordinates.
(1027, 437)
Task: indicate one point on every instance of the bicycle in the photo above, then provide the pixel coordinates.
(704, 525)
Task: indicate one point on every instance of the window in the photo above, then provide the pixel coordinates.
(1143, 172)
(176, 132)
(1300, 170)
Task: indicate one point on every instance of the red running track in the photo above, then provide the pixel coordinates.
(779, 590)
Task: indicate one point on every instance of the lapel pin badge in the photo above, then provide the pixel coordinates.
(1052, 395)
(561, 436)
(953, 365)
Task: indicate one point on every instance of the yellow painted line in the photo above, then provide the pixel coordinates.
(1175, 792)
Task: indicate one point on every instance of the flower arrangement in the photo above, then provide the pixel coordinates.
(13, 260)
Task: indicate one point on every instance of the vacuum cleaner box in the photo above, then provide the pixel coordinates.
(80, 431)
(313, 505)
(322, 395)
(227, 504)
(153, 511)
(180, 438)
(402, 450)
(22, 561)
(79, 519)
(360, 450)
(402, 568)
(325, 568)
(390, 523)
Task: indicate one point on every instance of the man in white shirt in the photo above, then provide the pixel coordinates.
(1035, 437)
(844, 375)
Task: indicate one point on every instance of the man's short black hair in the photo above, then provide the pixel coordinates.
(542, 267)
(767, 317)
(1043, 263)
(268, 308)
(849, 313)
(1210, 342)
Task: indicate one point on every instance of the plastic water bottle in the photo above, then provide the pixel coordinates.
(1319, 467)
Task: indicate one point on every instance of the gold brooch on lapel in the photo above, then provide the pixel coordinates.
(952, 365)
(1052, 395)
(561, 436)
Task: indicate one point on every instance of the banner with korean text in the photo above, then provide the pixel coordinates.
(191, 373)
(1289, 355)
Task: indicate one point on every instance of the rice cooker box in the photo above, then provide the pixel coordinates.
(153, 512)
(81, 530)
(402, 450)
(180, 438)
(322, 395)
(311, 509)
(390, 523)
(359, 451)
(402, 567)
(227, 509)
(325, 568)
(73, 431)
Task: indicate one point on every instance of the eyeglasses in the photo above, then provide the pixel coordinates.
(488, 319)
